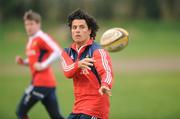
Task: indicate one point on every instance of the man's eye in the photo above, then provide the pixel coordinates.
(74, 27)
(82, 27)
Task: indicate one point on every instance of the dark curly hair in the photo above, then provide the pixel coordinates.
(90, 21)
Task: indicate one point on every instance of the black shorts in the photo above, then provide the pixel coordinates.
(81, 116)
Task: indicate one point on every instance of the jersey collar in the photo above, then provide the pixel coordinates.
(81, 49)
(89, 42)
(36, 34)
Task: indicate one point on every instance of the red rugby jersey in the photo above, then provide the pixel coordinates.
(86, 86)
(38, 49)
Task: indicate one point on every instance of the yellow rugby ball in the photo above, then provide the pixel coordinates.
(114, 39)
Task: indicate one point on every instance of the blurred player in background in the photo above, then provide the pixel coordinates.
(41, 51)
(91, 69)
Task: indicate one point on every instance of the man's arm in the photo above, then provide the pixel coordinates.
(104, 68)
(43, 65)
(45, 42)
(70, 67)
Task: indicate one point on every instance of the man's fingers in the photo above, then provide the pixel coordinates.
(105, 90)
(89, 60)
(87, 64)
(101, 92)
(108, 92)
(85, 67)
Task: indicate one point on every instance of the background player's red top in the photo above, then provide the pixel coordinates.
(38, 49)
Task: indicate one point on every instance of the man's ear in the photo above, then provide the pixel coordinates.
(90, 31)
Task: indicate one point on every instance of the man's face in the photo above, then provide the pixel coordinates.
(31, 27)
(80, 32)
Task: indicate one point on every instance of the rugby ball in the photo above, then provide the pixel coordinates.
(114, 39)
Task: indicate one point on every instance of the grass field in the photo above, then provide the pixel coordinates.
(136, 94)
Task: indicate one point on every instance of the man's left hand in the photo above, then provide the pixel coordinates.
(105, 90)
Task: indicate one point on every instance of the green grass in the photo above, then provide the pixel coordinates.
(136, 95)
(146, 96)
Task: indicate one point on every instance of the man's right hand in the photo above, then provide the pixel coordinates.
(86, 63)
(19, 60)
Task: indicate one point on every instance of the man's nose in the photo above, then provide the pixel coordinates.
(78, 29)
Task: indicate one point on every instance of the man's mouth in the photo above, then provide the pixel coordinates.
(77, 36)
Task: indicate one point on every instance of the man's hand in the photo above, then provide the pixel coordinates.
(105, 90)
(38, 66)
(86, 63)
(19, 60)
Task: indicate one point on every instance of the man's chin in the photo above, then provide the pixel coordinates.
(78, 40)
(30, 34)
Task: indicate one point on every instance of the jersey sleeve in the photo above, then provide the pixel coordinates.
(47, 44)
(69, 67)
(103, 66)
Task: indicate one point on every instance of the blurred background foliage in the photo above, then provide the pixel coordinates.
(57, 10)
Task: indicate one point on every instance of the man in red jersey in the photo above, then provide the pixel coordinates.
(41, 51)
(90, 67)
